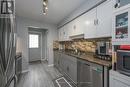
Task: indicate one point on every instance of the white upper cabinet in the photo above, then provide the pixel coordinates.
(89, 24)
(79, 26)
(96, 23)
(72, 27)
(104, 19)
(76, 27)
(66, 33)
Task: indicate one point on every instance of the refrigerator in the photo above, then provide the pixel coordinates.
(7, 44)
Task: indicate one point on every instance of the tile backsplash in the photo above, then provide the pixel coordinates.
(83, 45)
(80, 44)
(56, 45)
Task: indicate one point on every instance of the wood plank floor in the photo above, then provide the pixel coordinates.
(39, 75)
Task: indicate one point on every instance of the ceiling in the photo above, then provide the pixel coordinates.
(58, 9)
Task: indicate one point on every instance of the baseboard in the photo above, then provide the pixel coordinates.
(34, 61)
(25, 71)
(43, 59)
(51, 65)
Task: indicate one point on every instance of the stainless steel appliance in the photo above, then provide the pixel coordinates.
(91, 75)
(123, 61)
(103, 48)
(103, 51)
(7, 45)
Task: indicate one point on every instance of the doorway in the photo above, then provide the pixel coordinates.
(35, 46)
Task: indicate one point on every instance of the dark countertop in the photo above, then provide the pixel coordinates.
(88, 57)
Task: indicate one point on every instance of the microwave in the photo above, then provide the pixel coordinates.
(123, 62)
(103, 48)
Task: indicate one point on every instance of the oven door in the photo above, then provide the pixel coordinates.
(123, 62)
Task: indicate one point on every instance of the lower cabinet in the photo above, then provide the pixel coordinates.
(57, 60)
(70, 67)
(84, 74)
(119, 80)
(72, 72)
(97, 75)
(81, 73)
(90, 74)
(56, 56)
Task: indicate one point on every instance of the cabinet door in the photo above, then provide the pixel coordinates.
(89, 24)
(69, 29)
(73, 28)
(97, 75)
(117, 83)
(73, 71)
(65, 63)
(84, 75)
(61, 34)
(119, 80)
(78, 26)
(66, 33)
(59, 63)
(104, 19)
(97, 78)
(55, 59)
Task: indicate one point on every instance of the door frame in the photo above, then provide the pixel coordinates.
(40, 33)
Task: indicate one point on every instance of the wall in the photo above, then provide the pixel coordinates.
(89, 4)
(22, 32)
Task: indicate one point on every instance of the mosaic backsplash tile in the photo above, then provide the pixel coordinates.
(80, 44)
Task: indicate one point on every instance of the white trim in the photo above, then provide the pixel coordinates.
(24, 71)
(51, 65)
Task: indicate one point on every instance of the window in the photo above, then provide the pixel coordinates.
(33, 41)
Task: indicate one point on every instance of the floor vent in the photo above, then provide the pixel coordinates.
(62, 82)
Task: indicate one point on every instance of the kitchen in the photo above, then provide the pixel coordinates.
(85, 45)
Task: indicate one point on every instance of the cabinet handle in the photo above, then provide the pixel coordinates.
(97, 69)
(67, 68)
(97, 21)
(74, 27)
(87, 64)
(94, 22)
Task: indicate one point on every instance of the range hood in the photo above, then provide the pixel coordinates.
(80, 36)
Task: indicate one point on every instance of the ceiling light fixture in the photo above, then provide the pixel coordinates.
(45, 6)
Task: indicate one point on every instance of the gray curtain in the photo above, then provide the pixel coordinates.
(7, 48)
